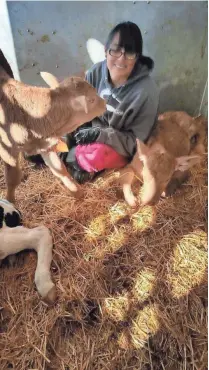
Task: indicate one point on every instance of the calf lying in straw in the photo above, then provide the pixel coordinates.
(33, 118)
(176, 144)
(15, 238)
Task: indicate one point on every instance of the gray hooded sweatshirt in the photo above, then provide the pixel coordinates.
(131, 108)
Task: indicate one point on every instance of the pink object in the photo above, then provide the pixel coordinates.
(97, 156)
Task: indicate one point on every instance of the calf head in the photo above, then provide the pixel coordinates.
(158, 168)
(197, 132)
(79, 96)
(194, 128)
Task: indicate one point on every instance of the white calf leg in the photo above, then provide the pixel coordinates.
(43, 281)
(126, 179)
(14, 240)
(59, 170)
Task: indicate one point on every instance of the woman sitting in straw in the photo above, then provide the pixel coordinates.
(132, 97)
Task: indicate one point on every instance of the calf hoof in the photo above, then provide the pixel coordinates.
(132, 201)
(51, 296)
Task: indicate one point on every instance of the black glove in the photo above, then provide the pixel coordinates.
(87, 135)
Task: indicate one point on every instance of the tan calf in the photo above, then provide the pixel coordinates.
(33, 118)
(176, 144)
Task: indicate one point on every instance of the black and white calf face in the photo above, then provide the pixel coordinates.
(9, 215)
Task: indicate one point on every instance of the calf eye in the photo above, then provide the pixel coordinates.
(91, 100)
(194, 139)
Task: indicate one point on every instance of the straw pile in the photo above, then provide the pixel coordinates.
(132, 287)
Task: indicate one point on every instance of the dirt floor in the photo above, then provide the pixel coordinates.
(132, 286)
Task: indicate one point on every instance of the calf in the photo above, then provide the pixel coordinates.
(33, 118)
(162, 164)
(15, 238)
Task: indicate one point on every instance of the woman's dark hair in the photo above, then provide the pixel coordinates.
(130, 38)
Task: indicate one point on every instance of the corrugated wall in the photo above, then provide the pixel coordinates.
(52, 36)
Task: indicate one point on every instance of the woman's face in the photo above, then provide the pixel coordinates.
(119, 66)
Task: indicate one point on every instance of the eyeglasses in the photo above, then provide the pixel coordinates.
(116, 53)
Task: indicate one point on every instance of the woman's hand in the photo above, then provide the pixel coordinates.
(87, 135)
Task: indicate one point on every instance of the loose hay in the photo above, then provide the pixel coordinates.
(132, 286)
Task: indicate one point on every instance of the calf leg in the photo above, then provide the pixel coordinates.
(176, 181)
(14, 240)
(59, 170)
(125, 180)
(13, 179)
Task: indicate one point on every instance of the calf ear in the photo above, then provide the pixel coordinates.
(79, 103)
(50, 79)
(186, 162)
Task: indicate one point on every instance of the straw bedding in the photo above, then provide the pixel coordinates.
(132, 286)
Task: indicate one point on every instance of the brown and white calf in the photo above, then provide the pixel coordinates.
(162, 164)
(32, 119)
(15, 238)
